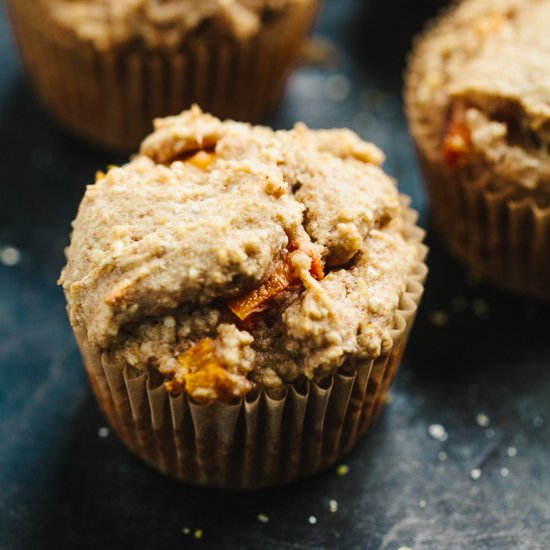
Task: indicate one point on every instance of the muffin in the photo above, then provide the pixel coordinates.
(478, 102)
(106, 68)
(242, 297)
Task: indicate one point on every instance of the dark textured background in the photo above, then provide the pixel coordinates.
(63, 486)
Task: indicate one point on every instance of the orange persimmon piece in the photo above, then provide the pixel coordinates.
(458, 140)
(194, 359)
(215, 382)
(317, 268)
(203, 377)
(491, 25)
(202, 160)
(282, 278)
(257, 300)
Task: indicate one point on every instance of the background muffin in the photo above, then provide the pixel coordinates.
(478, 101)
(242, 295)
(106, 68)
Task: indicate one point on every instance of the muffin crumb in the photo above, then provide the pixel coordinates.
(437, 432)
(342, 470)
(475, 474)
(10, 256)
(263, 518)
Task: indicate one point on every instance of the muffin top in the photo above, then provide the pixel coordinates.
(479, 88)
(227, 256)
(157, 23)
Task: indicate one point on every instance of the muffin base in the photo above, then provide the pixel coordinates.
(503, 237)
(261, 440)
(111, 97)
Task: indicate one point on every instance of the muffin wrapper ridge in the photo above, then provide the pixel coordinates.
(504, 238)
(260, 440)
(111, 97)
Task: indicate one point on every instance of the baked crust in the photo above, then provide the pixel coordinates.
(167, 248)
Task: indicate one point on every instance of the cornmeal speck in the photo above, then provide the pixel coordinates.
(342, 470)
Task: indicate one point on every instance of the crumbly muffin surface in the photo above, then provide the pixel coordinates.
(227, 256)
(479, 89)
(156, 23)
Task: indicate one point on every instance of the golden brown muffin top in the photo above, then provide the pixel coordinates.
(240, 255)
(484, 68)
(157, 23)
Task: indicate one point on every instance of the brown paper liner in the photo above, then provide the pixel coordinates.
(111, 97)
(505, 238)
(260, 440)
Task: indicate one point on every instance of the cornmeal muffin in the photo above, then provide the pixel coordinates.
(478, 100)
(242, 296)
(106, 68)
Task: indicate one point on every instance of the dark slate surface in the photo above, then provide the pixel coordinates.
(64, 486)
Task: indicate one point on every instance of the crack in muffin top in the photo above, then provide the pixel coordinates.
(212, 219)
(156, 23)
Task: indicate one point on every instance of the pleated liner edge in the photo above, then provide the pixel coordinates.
(504, 238)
